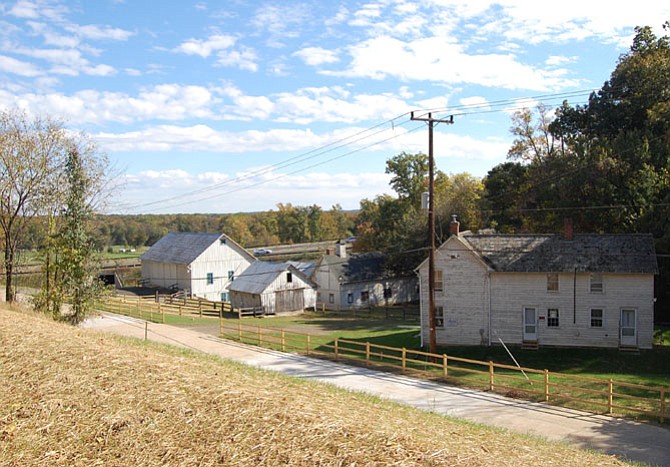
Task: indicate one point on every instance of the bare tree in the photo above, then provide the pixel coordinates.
(32, 156)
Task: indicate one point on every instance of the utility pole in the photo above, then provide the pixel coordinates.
(431, 224)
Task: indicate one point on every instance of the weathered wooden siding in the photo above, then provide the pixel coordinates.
(279, 296)
(512, 292)
(328, 284)
(218, 259)
(464, 297)
(403, 290)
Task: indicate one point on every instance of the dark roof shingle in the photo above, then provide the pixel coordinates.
(615, 253)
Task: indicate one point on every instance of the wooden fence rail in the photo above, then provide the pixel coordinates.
(592, 394)
(587, 393)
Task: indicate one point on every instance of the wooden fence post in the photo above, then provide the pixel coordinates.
(662, 405)
(546, 385)
(445, 365)
(491, 370)
(336, 348)
(309, 341)
(404, 359)
(239, 331)
(610, 397)
(367, 354)
(283, 341)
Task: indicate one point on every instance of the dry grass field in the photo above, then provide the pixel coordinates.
(79, 398)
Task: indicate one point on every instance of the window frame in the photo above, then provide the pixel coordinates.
(365, 296)
(439, 317)
(553, 321)
(553, 283)
(438, 280)
(210, 278)
(594, 319)
(596, 284)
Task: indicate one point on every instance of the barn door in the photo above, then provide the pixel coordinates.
(289, 300)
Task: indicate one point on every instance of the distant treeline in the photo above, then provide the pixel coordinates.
(288, 224)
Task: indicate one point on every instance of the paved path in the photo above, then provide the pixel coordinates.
(639, 442)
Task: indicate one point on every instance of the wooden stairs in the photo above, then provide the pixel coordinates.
(530, 345)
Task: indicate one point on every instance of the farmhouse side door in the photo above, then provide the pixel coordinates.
(529, 324)
(628, 327)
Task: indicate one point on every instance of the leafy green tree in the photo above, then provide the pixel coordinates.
(71, 284)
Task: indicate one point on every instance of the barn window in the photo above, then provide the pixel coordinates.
(225, 296)
(552, 317)
(596, 283)
(210, 278)
(289, 277)
(552, 282)
(438, 281)
(388, 292)
(439, 317)
(331, 298)
(365, 296)
(597, 317)
(350, 298)
(231, 276)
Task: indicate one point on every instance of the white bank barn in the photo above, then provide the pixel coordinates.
(201, 264)
(542, 290)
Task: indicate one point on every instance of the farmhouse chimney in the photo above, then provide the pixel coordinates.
(568, 230)
(454, 225)
(341, 249)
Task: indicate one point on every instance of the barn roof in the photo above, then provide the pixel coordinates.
(260, 274)
(601, 253)
(185, 247)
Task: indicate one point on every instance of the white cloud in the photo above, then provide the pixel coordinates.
(18, 67)
(96, 32)
(434, 59)
(258, 190)
(244, 59)
(204, 48)
(315, 56)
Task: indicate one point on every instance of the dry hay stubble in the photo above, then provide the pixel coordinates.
(75, 397)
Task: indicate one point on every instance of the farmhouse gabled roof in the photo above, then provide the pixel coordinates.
(260, 274)
(185, 247)
(597, 253)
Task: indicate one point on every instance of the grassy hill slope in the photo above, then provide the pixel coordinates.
(77, 397)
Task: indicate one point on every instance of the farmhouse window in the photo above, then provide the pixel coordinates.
(552, 317)
(231, 276)
(210, 278)
(597, 317)
(350, 298)
(388, 292)
(596, 283)
(289, 277)
(331, 298)
(365, 296)
(438, 281)
(552, 282)
(225, 296)
(439, 317)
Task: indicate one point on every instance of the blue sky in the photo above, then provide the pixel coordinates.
(236, 106)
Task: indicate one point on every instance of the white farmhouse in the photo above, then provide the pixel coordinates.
(202, 264)
(348, 282)
(542, 290)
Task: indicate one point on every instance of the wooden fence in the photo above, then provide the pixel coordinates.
(589, 394)
(155, 311)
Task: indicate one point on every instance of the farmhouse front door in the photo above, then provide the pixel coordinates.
(628, 327)
(529, 324)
